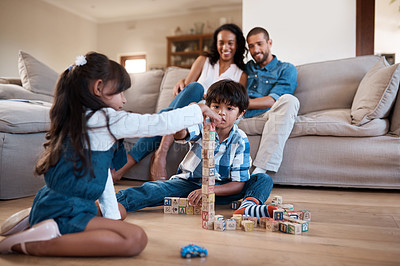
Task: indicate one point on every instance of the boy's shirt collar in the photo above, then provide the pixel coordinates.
(229, 138)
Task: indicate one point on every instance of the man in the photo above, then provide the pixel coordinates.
(270, 86)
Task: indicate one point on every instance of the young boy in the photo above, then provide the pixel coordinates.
(229, 99)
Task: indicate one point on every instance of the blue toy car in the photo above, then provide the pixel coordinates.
(193, 250)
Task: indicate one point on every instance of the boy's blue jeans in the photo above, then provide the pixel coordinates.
(152, 193)
(144, 146)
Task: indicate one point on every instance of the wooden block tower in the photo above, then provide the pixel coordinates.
(208, 181)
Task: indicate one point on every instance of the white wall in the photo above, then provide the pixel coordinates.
(149, 36)
(307, 30)
(50, 34)
(387, 28)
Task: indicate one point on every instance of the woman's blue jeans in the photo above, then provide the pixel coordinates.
(144, 146)
(152, 193)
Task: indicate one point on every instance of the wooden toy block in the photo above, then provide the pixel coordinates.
(207, 189)
(278, 215)
(209, 162)
(208, 127)
(254, 220)
(189, 210)
(283, 227)
(271, 225)
(182, 210)
(235, 205)
(230, 224)
(304, 224)
(197, 210)
(182, 202)
(219, 225)
(219, 217)
(210, 171)
(204, 224)
(238, 220)
(277, 199)
(175, 210)
(245, 217)
(208, 144)
(287, 207)
(306, 215)
(167, 201)
(207, 154)
(175, 201)
(248, 225)
(167, 209)
(205, 215)
(263, 221)
(208, 207)
(294, 228)
(208, 180)
(209, 135)
(208, 198)
(295, 214)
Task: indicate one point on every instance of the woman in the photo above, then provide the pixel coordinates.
(224, 61)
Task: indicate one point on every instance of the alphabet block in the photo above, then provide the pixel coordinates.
(278, 215)
(230, 224)
(219, 225)
(248, 225)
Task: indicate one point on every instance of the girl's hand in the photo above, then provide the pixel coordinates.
(195, 197)
(179, 87)
(207, 112)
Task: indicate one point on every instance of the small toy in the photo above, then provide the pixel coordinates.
(193, 250)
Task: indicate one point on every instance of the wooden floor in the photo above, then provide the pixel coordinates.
(348, 227)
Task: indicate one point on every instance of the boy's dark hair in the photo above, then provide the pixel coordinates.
(228, 92)
(258, 30)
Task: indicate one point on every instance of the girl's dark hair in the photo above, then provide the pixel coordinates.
(241, 49)
(228, 92)
(68, 113)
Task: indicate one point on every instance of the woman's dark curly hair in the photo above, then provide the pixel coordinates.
(241, 49)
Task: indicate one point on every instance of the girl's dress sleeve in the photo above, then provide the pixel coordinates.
(108, 202)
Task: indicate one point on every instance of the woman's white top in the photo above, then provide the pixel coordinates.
(210, 74)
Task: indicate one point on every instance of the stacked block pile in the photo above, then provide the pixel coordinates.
(175, 205)
(208, 180)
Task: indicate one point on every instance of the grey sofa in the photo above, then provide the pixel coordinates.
(347, 133)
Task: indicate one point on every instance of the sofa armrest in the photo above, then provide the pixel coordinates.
(12, 91)
(395, 116)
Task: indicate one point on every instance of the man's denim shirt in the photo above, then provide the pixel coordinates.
(275, 79)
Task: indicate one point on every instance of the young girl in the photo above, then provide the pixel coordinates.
(82, 146)
(224, 61)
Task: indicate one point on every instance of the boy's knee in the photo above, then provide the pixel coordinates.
(264, 178)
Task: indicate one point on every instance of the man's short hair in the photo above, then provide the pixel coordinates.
(229, 92)
(258, 30)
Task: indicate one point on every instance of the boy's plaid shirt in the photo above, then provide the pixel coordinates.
(232, 157)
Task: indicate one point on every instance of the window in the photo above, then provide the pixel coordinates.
(134, 63)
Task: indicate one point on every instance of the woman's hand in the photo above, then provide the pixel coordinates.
(179, 86)
(207, 112)
(194, 198)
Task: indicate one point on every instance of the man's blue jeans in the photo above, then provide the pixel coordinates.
(144, 146)
(152, 193)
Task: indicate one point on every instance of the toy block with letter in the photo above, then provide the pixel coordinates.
(230, 224)
(248, 225)
(219, 225)
(306, 215)
(278, 215)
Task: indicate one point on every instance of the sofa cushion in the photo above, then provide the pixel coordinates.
(35, 75)
(395, 118)
(12, 91)
(330, 84)
(336, 122)
(22, 116)
(376, 93)
(143, 95)
(171, 77)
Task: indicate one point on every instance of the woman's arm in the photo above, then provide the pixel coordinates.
(243, 79)
(194, 74)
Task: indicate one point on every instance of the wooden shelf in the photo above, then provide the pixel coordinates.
(182, 50)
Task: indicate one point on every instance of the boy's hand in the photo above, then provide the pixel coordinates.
(179, 87)
(195, 197)
(207, 112)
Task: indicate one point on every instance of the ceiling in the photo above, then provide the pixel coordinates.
(104, 11)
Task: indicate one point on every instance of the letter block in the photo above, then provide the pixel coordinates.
(230, 224)
(208, 171)
(189, 210)
(248, 225)
(182, 210)
(278, 215)
(219, 225)
(182, 202)
(167, 201)
(294, 228)
(207, 154)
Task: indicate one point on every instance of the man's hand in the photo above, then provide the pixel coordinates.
(179, 86)
(195, 198)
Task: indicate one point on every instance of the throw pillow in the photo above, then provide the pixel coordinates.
(142, 96)
(376, 93)
(35, 75)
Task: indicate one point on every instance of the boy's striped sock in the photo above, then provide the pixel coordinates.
(250, 206)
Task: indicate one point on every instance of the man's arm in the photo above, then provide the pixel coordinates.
(261, 103)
